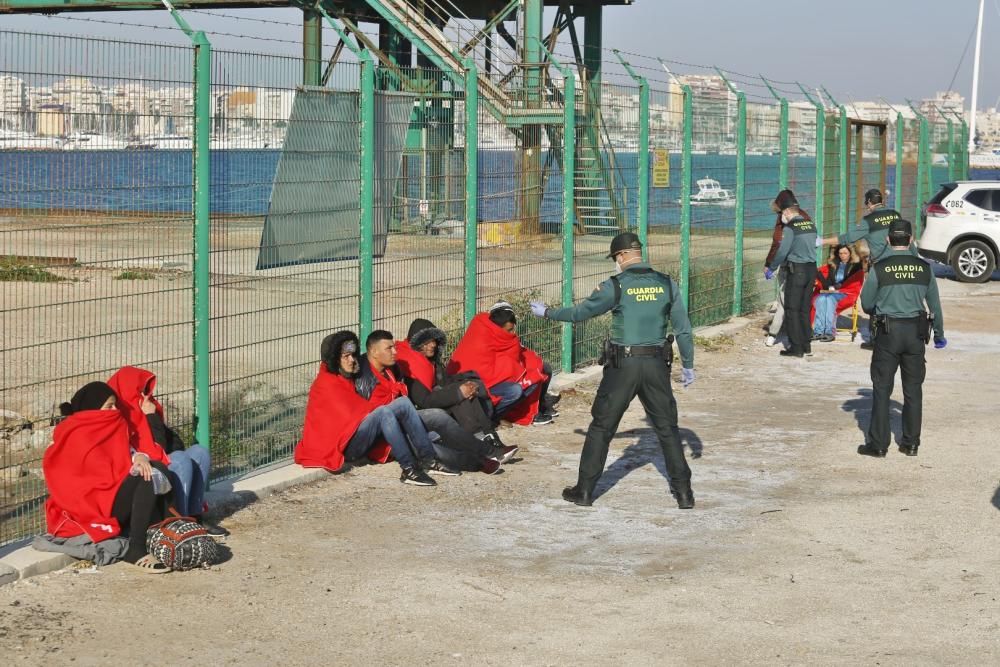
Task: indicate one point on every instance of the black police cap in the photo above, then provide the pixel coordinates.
(624, 241)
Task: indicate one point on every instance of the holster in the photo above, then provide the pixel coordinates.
(879, 325)
(610, 354)
(925, 324)
(668, 351)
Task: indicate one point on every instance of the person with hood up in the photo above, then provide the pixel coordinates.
(463, 396)
(188, 468)
(341, 425)
(100, 479)
(516, 378)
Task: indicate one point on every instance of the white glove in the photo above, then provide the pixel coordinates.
(687, 376)
(819, 241)
(538, 308)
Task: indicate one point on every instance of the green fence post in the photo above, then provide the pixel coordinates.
(569, 168)
(643, 157)
(685, 268)
(783, 136)
(964, 151)
(202, 241)
(820, 166)
(366, 250)
(741, 165)
(845, 158)
(471, 187)
(900, 145)
(366, 241)
(952, 153)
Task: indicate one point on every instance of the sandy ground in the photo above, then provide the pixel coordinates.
(799, 551)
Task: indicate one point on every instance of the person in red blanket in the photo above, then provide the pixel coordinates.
(838, 284)
(342, 425)
(463, 396)
(188, 468)
(516, 377)
(99, 477)
(383, 382)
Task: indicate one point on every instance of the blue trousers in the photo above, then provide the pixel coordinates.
(188, 473)
(400, 425)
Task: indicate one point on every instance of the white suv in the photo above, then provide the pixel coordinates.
(962, 228)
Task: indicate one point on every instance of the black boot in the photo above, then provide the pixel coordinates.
(684, 498)
(868, 450)
(575, 494)
(908, 450)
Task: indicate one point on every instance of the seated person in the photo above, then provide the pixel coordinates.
(516, 377)
(463, 396)
(100, 480)
(383, 382)
(187, 468)
(341, 425)
(838, 284)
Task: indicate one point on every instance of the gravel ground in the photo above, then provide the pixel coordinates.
(799, 551)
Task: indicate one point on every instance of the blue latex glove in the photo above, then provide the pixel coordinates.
(768, 274)
(940, 343)
(687, 376)
(538, 308)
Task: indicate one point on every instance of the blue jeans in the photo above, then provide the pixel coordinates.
(188, 473)
(826, 312)
(400, 425)
(512, 392)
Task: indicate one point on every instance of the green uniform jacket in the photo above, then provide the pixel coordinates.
(874, 230)
(640, 318)
(899, 285)
(798, 244)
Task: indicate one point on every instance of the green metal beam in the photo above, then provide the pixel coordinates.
(783, 138)
(312, 47)
(569, 190)
(471, 188)
(741, 178)
(684, 279)
(201, 277)
(845, 160)
(900, 145)
(820, 166)
(643, 157)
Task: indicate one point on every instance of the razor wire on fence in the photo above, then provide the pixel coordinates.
(374, 194)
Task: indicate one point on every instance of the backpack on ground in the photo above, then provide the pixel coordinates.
(181, 543)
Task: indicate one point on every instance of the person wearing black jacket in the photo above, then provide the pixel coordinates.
(462, 395)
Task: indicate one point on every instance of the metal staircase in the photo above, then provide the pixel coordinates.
(450, 39)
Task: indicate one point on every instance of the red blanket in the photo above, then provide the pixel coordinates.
(86, 463)
(851, 288)
(414, 364)
(497, 355)
(333, 413)
(129, 384)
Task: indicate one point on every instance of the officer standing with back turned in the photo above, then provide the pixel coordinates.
(636, 362)
(894, 295)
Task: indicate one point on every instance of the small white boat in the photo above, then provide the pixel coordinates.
(710, 193)
(24, 141)
(985, 159)
(92, 141)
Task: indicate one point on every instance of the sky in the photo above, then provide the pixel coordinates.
(857, 49)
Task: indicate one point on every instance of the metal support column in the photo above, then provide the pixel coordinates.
(741, 166)
(530, 158)
(312, 47)
(900, 145)
(820, 167)
(845, 168)
(685, 270)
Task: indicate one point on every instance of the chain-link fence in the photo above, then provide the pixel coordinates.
(375, 195)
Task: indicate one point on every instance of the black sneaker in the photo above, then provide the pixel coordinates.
(417, 477)
(867, 345)
(215, 532)
(438, 468)
(541, 418)
(504, 453)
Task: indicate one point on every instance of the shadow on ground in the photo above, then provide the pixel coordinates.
(862, 409)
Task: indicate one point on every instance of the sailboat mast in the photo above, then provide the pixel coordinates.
(975, 80)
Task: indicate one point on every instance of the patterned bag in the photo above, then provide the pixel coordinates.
(181, 543)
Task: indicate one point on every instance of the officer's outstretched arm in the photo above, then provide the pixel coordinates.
(933, 299)
(599, 302)
(681, 325)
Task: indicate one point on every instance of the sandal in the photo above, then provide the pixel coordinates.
(150, 565)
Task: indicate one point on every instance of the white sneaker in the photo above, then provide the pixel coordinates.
(770, 340)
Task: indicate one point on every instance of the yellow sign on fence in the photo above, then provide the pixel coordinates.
(661, 168)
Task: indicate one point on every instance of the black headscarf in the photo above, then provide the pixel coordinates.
(90, 396)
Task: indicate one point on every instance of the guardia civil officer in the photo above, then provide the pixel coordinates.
(797, 255)
(894, 295)
(642, 301)
(874, 228)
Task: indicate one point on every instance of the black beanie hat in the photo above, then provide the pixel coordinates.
(90, 396)
(785, 199)
(330, 348)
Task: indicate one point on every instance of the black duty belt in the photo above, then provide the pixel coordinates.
(915, 318)
(642, 350)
